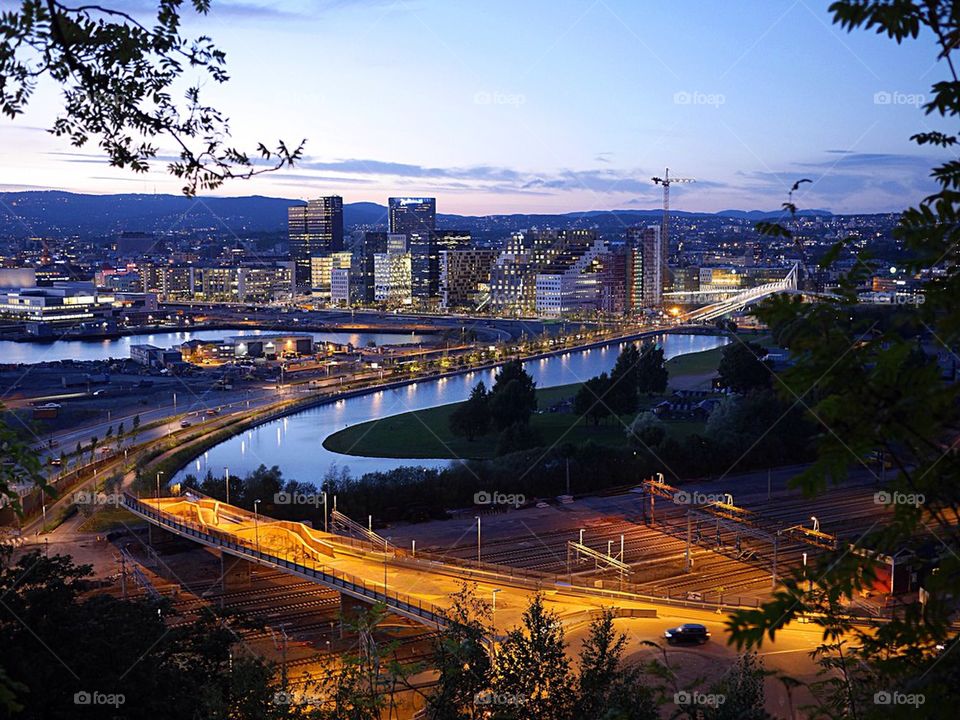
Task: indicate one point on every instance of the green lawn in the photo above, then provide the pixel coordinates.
(109, 518)
(426, 433)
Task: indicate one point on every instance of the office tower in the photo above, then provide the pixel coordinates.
(465, 276)
(314, 229)
(569, 283)
(645, 261)
(321, 267)
(613, 282)
(373, 243)
(416, 218)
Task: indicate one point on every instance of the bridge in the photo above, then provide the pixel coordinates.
(417, 587)
(742, 299)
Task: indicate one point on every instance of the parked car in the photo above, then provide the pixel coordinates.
(687, 633)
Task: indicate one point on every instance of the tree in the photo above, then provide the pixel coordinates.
(591, 399)
(513, 397)
(652, 369)
(862, 382)
(136, 428)
(742, 367)
(93, 447)
(113, 646)
(120, 78)
(472, 418)
(21, 465)
(625, 381)
(742, 691)
(517, 437)
(532, 673)
(646, 430)
(460, 657)
(606, 688)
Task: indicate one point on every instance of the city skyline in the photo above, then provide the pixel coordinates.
(491, 118)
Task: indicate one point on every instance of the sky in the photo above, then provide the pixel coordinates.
(502, 106)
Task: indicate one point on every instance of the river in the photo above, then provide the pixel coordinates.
(36, 352)
(295, 443)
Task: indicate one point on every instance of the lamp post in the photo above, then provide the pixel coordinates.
(325, 511)
(478, 538)
(158, 483)
(226, 481)
(493, 616)
(256, 523)
(816, 524)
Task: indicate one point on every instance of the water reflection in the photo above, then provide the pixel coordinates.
(14, 352)
(299, 450)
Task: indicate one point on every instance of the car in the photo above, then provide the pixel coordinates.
(185, 423)
(687, 633)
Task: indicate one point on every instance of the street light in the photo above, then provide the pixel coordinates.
(478, 538)
(816, 524)
(158, 483)
(493, 616)
(226, 481)
(256, 522)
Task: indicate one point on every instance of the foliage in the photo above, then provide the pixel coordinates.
(472, 418)
(646, 430)
(119, 78)
(652, 370)
(57, 642)
(873, 386)
(591, 400)
(20, 467)
(513, 397)
(742, 367)
(518, 437)
(532, 669)
(625, 381)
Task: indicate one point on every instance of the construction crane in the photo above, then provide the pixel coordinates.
(667, 181)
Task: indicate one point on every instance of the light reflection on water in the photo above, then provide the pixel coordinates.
(14, 352)
(299, 451)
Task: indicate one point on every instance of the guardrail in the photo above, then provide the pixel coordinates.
(405, 605)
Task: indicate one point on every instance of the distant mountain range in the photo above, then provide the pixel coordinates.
(24, 214)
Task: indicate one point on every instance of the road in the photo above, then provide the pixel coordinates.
(433, 582)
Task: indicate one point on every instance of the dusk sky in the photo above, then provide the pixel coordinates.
(535, 106)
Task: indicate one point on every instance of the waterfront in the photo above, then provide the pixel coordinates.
(295, 443)
(119, 348)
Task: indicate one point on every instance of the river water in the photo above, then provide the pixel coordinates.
(295, 443)
(119, 348)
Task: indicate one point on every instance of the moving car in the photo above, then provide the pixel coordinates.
(185, 423)
(687, 633)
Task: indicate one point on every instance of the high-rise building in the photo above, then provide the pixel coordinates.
(321, 267)
(645, 261)
(392, 278)
(465, 276)
(514, 274)
(569, 283)
(613, 282)
(373, 243)
(416, 217)
(314, 229)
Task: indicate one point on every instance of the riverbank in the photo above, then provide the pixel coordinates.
(425, 434)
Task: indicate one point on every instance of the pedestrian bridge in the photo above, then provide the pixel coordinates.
(742, 299)
(417, 587)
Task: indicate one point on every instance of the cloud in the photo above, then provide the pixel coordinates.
(495, 179)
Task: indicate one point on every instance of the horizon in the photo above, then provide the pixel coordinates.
(509, 121)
